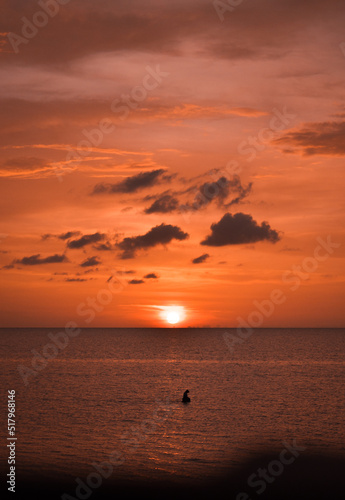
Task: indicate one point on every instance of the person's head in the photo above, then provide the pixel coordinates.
(187, 390)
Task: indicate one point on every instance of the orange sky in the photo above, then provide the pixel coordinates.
(138, 138)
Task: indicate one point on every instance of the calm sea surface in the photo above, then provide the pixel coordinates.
(118, 393)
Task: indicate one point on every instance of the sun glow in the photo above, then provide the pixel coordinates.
(173, 317)
(173, 314)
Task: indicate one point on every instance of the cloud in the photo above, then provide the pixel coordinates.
(36, 260)
(136, 282)
(87, 239)
(151, 276)
(161, 28)
(69, 234)
(130, 184)
(201, 259)
(9, 266)
(219, 191)
(104, 247)
(63, 236)
(91, 261)
(23, 166)
(238, 229)
(162, 234)
(75, 279)
(324, 138)
(165, 204)
(191, 111)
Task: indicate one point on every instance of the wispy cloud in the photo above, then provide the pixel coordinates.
(91, 261)
(201, 259)
(36, 260)
(130, 184)
(324, 138)
(87, 239)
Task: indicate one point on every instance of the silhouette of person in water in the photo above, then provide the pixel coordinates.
(185, 398)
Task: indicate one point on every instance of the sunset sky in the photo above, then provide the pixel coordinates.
(163, 158)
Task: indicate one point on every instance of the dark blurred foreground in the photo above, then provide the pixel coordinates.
(314, 477)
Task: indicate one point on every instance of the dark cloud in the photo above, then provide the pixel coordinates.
(68, 235)
(91, 261)
(104, 247)
(164, 204)
(326, 138)
(151, 276)
(9, 266)
(88, 271)
(162, 27)
(136, 282)
(36, 260)
(219, 191)
(162, 234)
(238, 229)
(202, 258)
(130, 184)
(75, 279)
(87, 239)
(63, 236)
(125, 272)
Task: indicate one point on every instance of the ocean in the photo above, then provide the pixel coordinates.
(115, 394)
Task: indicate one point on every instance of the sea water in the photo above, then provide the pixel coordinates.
(117, 393)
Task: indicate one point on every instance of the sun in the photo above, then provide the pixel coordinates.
(173, 317)
(172, 314)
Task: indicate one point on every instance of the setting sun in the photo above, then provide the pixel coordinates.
(172, 314)
(173, 317)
